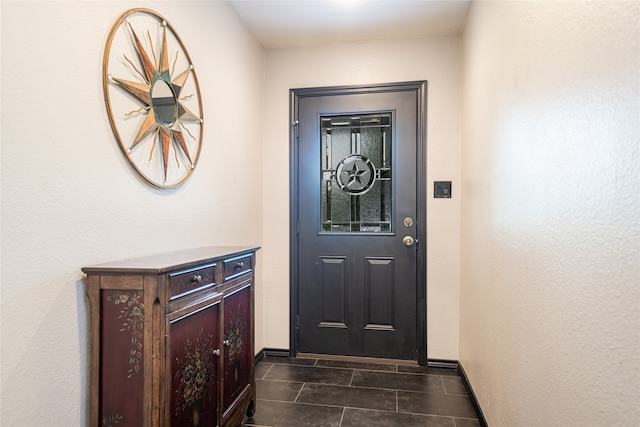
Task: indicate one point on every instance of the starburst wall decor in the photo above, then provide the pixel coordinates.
(153, 98)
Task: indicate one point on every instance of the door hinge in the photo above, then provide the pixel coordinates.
(298, 227)
(297, 321)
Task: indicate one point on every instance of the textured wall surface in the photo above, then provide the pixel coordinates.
(436, 60)
(550, 287)
(70, 200)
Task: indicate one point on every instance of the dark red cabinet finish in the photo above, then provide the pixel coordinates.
(238, 359)
(172, 339)
(194, 352)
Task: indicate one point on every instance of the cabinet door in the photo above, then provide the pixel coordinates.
(194, 351)
(238, 344)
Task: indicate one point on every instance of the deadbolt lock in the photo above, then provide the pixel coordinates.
(408, 222)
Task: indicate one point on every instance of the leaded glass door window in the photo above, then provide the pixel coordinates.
(356, 175)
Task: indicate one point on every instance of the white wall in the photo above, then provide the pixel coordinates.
(70, 200)
(550, 288)
(549, 299)
(436, 60)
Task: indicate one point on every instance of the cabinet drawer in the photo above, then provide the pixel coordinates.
(237, 266)
(185, 282)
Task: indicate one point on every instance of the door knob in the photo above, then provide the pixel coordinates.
(408, 241)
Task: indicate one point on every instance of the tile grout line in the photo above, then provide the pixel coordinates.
(421, 414)
(452, 393)
(344, 409)
(397, 402)
(267, 373)
(299, 392)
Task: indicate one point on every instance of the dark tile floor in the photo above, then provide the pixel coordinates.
(300, 392)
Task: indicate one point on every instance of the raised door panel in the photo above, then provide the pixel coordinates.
(332, 291)
(379, 291)
(194, 349)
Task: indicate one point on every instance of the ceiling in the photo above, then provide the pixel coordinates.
(290, 23)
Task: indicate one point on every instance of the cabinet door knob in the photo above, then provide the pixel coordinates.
(239, 265)
(216, 352)
(196, 278)
(226, 343)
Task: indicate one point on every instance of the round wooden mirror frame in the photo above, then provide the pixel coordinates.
(138, 61)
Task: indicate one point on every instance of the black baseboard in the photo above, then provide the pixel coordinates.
(472, 396)
(442, 363)
(276, 352)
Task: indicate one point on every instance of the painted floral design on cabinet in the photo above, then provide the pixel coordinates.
(122, 336)
(236, 335)
(112, 420)
(195, 376)
(194, 351)
(132, 314)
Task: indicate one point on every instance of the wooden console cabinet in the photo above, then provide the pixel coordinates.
(172, 339)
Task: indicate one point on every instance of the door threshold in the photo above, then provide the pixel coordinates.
(357, 359)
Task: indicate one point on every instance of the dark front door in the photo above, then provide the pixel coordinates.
(358, 275)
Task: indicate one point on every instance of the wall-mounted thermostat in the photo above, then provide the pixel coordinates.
(442, 189)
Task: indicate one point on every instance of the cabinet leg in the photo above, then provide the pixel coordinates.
(251, 410)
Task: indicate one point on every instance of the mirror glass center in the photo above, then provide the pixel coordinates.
(164, 103)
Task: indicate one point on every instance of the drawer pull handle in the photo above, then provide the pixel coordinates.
(216, 352)
(196, 278)
(239, 265)
(226, 343)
